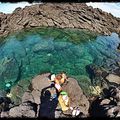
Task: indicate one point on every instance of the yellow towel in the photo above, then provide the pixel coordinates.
(62, 103)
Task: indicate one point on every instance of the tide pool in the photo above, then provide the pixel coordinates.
(25, 54)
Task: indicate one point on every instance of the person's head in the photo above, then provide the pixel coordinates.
(64, 77)
(58, 79)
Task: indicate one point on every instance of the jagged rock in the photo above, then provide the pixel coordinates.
(74, 15)
(36, 95)
(115, 93)
(107, 105)
(27, 97)
(24, 110)
(117, 71)
(113, 78)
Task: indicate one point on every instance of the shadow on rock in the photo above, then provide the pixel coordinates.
(95, 109)
(48, 105)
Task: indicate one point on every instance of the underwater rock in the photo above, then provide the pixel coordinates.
(84, 83)
(95, 90)
(94, 73)
(11, 75)
(93, 69)
(3, 64)
(3, 93)
(61, 45)
(43, 46)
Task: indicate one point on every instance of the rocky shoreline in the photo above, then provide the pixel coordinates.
(36, 101)
(69, 15)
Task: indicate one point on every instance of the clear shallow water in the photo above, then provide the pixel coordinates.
(27, 54)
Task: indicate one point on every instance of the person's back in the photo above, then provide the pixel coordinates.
(64, 101)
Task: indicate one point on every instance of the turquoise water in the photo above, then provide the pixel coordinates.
(26, 54)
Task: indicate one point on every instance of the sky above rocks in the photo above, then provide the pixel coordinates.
(113, 8)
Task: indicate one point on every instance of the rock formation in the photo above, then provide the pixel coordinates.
(37, 101)
(62, 15)
(108, 105)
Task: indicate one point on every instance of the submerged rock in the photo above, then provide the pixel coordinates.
(43, 46)
(9, 75)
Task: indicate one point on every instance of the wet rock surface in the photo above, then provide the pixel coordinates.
(73, 15)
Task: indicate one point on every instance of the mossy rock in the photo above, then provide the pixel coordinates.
(18, 90)
(84, 83)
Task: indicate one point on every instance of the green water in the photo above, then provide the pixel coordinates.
(26, 54)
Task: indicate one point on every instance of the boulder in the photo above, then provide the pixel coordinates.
(112, 78)
(27, 109)
(40, 92)
(27, 96)
(107, 105)
(77, 97)
(4, 114)
(40, 82)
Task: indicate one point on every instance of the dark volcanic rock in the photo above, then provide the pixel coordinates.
(107, 105)
(27, 109)
(69, 15)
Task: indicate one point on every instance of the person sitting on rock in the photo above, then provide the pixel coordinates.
(58, 81)
(64, 100)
